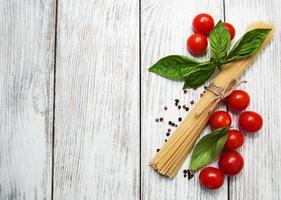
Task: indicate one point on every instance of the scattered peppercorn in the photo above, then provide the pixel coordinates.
(184, 91)
(192, 102)
(201, 94)
(166, 140)
(190, 175)
(167, 134)
(165, 108)
(179, 107)
(205, 87)
(184, 106)
(157, 150)
(184, 175)
(157, 120)
(184, 171)
(169, 130)
(179, 119)
(187, 108)
(161, 119)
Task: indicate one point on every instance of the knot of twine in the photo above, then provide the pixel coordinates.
(220, 95)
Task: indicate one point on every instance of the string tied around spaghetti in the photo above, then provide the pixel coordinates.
(220, 95)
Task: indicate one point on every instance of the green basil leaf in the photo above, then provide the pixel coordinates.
(208, 148)
(248, 45)
(173, 67)
(198, 75)
(219, 41)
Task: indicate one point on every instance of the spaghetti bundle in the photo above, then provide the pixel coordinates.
(171, 156)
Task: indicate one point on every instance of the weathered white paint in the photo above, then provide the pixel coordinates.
(165, 28)
(26, 85)
(260, 177)
(97, 100)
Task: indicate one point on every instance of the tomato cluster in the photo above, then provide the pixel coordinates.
(231, 162)
(202, 25)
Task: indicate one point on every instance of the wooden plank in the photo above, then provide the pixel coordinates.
(26, 85)
(97, 100)
(165, 28)
(259, 179)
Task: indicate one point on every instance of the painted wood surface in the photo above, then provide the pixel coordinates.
(97, 100)
(260, 179)
(165, 28)
(26, 108)
(102, 147)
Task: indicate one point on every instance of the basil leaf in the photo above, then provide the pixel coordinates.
(208, 148)
(248, 45)
(198, 75)
(173, 67)
(219, 41)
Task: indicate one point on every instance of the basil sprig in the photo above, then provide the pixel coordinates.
(174, 67)
(195, 73)
(219, 41)
(248, 45)
(208, 148)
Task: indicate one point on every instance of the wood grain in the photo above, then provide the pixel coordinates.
(259, 179)
(97, 100)
(26, 85)
(165, 28)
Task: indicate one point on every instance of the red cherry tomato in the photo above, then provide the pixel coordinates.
(231, 163)
(197, 43)
(238, 100)
(235, 139)
(230, 29)
(220, 119)
(250, 121)
(203, 23)
(211, 178)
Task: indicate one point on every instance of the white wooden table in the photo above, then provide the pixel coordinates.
(77, 103)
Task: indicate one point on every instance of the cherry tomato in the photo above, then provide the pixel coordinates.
(220, 119)
(203, 23)
(230, 29)
(231, 163)
(197, 43)
(211, 178)
(250, 121)
(238, 100)
(235, 139)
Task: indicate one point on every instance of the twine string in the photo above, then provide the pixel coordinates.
(220, 95)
